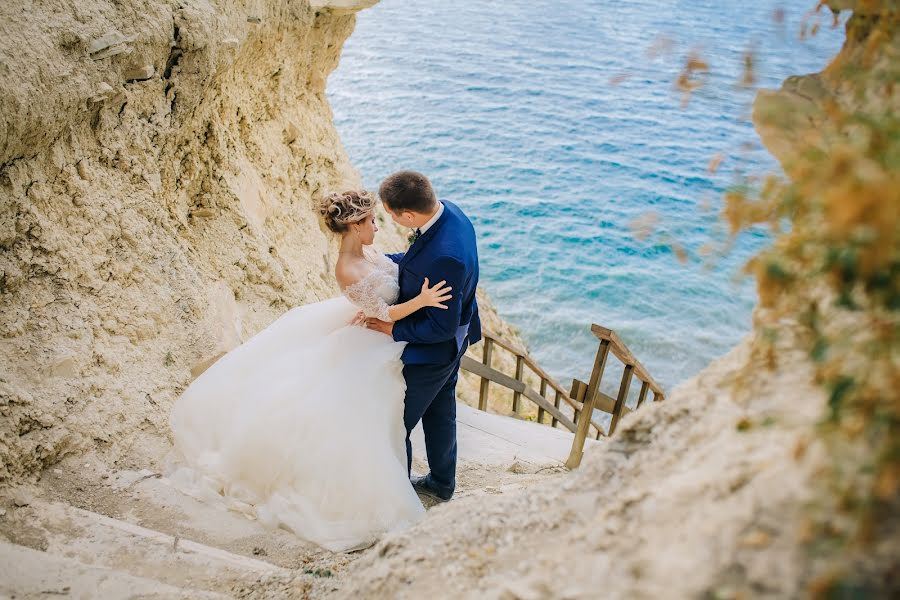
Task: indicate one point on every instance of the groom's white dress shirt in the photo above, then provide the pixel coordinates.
(433, 219)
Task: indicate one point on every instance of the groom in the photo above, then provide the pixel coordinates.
(443, 248)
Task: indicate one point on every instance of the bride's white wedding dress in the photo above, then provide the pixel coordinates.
(302, 425)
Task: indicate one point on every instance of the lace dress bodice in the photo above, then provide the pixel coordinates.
(378, 290)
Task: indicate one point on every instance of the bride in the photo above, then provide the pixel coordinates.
(302, 425)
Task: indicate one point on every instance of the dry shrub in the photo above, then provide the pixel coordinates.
(835, 264)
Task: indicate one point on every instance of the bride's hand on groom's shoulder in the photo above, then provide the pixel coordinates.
(434, 296)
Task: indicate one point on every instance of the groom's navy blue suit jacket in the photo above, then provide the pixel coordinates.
(447, 252)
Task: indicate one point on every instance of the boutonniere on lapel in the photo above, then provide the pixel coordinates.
(413, 236)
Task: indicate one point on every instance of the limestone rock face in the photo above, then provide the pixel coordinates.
(158, 163)
(798, 116)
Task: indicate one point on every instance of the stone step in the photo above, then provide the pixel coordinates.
(96, 540)
(145, 499)
(26, 573)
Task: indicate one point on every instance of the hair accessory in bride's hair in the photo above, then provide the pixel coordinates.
(341, 209)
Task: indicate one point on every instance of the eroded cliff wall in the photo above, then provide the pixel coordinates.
(158, 165)
(811, 111)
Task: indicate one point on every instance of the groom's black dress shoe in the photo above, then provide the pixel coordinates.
(426, 487)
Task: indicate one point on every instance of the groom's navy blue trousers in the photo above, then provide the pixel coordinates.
(431, 397)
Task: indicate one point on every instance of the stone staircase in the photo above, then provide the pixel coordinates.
(27, 573)
(91, 531)
(157, 542)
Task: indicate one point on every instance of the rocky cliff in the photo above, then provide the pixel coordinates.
(158, 164)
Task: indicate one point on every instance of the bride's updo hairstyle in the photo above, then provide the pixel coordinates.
(341, 209)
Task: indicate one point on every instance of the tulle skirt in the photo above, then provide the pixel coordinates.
(302, 428)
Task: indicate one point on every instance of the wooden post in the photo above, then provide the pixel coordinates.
(485, 382)
(588, 408)
(517, 396)
(622, 397)
(540, 417)
(644, 387)
(554, 421)
(577, 394)
(657, 397)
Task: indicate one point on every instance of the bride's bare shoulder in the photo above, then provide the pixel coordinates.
(349, 271)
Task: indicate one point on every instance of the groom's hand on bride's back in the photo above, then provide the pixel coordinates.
(378, 325)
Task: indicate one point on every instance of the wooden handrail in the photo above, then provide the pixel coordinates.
(473, 366)
(604, 402)
(520, 374)
(611, 342)
(579, 390)
(536, 369)
(590, 396)
(529, 362)
(485, 382)
(503, 344)
(621, 351)
(584, 398)
(543, 393)
(518, 388)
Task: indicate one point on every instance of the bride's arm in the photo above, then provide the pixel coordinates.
(361, 292)
(429, 296)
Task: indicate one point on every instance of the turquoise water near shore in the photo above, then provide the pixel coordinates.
(555, 125)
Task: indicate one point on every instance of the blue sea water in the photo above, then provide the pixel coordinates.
(555, 124)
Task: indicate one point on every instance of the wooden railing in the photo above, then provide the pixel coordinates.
(583, 397)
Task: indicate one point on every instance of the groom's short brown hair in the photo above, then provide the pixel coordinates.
(407, 190)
